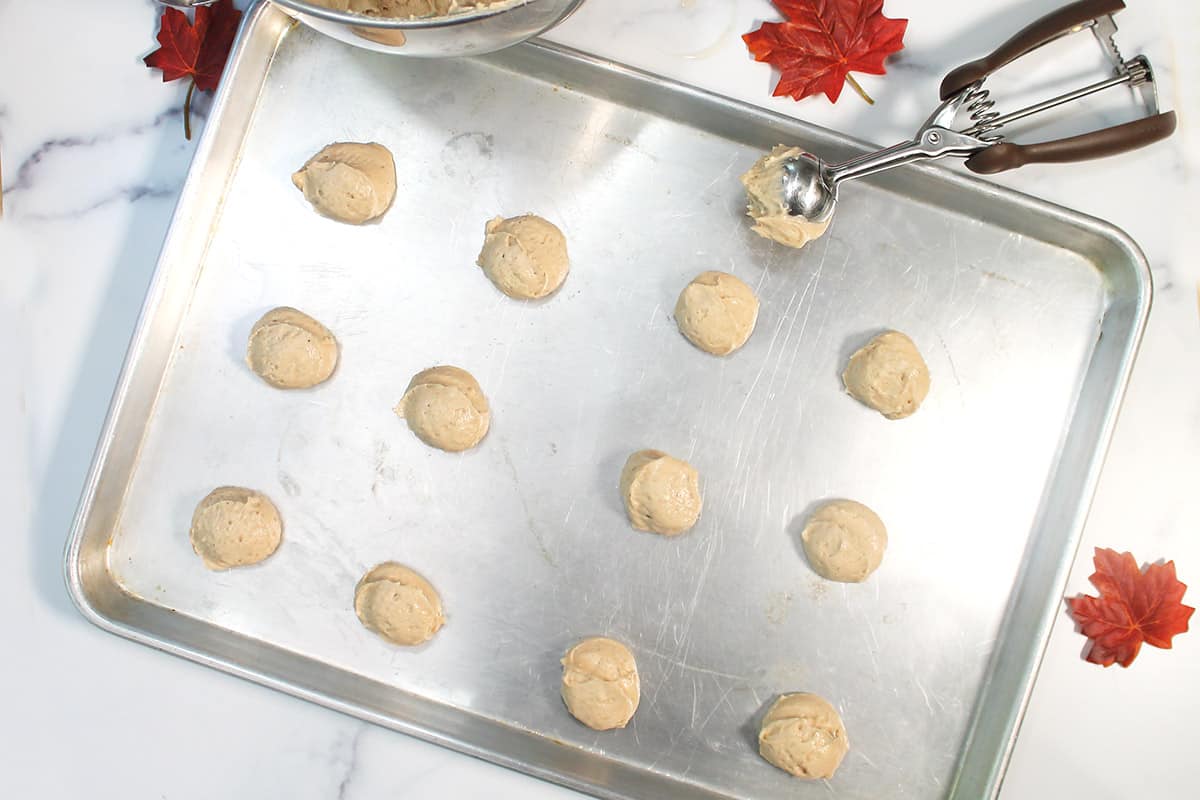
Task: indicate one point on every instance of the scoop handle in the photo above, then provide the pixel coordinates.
(1031, 37)
(1097, 144)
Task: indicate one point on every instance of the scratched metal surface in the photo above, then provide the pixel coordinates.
(525, 536)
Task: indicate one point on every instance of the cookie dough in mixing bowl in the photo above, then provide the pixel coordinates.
(406, 9)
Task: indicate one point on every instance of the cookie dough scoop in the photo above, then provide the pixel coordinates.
(808, 186)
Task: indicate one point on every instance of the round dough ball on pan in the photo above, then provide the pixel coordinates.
(889, 375)
(716, 312)
(352, 182)
(445, 407)
(600, 683)
(525, 257)
(844, 541)
(235, 527)
(398, 604)
(661, 493)
(803, 735)
(290, 350)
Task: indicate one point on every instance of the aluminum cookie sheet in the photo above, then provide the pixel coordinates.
(1028, 315)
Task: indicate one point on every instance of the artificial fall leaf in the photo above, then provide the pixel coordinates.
(822, 41)
(1134, 606)
(196, 50)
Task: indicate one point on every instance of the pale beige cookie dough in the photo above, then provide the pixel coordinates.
(661, 493)
(405, 9)
(445, 407)
(765, 204)
(803, 735)
(235, 527)
(392, 38)
(716, 312)
(526, 256)
(600, 683)
(352, 182)
(889, 375)
(290, 350)
(398, 604)
(844, 541)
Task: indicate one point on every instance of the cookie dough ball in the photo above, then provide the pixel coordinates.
(889, 375)
(290, 350)
(234, 527)
(600, 683)
(398, 604)
(803, 735)
(661, 493)
(766, 206)
(526, 257)
(716, 312)
(351, 182)
(445, 408)
(844, 541)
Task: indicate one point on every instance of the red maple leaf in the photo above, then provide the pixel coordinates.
(822, 41)
(196, 50)
(1134, 606)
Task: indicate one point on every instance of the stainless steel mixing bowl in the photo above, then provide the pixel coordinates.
(466, 33)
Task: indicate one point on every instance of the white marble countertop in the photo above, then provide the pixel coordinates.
(93, 160)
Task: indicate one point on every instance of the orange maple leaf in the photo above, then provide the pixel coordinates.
(1134, 606)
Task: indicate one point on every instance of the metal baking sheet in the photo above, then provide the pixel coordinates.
(1028, 314)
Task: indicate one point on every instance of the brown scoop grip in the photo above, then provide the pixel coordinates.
(1097, 144)
(1029, 38)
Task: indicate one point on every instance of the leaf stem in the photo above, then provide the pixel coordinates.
(187, 111)
(859, 89)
